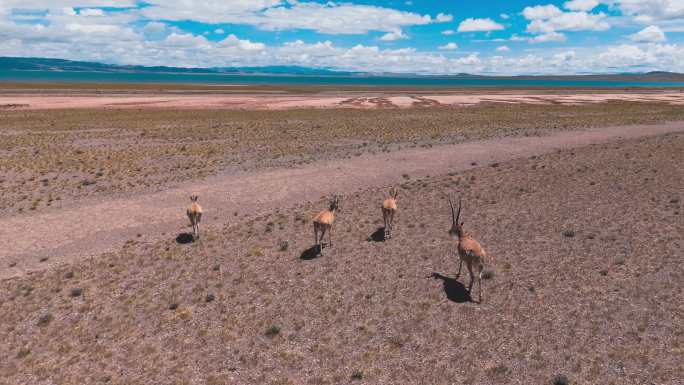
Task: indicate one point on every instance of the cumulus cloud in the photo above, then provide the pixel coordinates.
(449, 46)
(444, 18)
(651, 34)
(547, 37)
(502, 48)
(648, 11)
(69, 29)
(581, 5)
(479, 25)
(448, 32)
(541, 12)
(274, 15)
(569, 21)
(392, 36)
(154, 27)
(91, 12)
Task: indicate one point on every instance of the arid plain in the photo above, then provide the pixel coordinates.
(575, 195)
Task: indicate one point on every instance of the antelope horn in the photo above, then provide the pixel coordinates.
(458, 215)
(453, 213)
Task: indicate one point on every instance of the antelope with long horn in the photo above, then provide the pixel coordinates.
(469, 249)
(389, 208)
(195, 215)
(323, 221)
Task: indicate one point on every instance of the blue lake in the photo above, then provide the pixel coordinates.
(311, 80)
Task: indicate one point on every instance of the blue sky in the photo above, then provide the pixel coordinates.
(419, 36)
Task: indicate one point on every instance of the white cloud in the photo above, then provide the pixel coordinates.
(219, 31)
(581, 5)
(502, 48)
(91, 12)
(186, 40)
(449, 46)
(651, 34)
(504, 16)
(548, 37)
(444, 18)
(132, 37)
(273, 15)
(541, 12)
(206, 11)
(569, 21)
(392, 36)
(154, 27)
(448, 32)
(246, 45)
(516, 37)
(479, 25)
(648, 11)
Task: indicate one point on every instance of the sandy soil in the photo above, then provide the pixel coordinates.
(279, 102)
(587, 249)
(94, 226)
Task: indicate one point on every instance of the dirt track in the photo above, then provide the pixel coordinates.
(97, 226)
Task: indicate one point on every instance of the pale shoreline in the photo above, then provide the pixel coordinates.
(111, 100)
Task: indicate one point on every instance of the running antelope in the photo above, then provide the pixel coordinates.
(195, 215)
(469, 249)
(389, 208)
(323, 221)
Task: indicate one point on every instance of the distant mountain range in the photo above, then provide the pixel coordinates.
(44, 64)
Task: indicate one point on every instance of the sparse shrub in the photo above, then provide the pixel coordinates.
(44, 259)
(210, 297)
(560, 379)
(272, 331)
(173, 306)
(75, 292)
(569, 233)
(44, 319)
(255, 253)
(216, 268)
(283, 245)
(488, 274)
(498, 371)
(23, 352)
(357, 375)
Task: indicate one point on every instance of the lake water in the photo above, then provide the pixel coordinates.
(311, 80)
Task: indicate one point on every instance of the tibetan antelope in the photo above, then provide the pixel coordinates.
(323, 221)
(389, 208)
(195, 215)
(469, 249)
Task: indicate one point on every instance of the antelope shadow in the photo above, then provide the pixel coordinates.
(454, 290)
(378, 235)
(185, 238)
(312, 252)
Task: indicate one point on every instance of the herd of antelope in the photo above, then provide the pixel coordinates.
(468, 248)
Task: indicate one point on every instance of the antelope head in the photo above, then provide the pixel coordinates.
(335, 203)
(393, 192)
(193, 198)
(456, 230)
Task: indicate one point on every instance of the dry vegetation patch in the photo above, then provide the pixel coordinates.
(50, 158)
